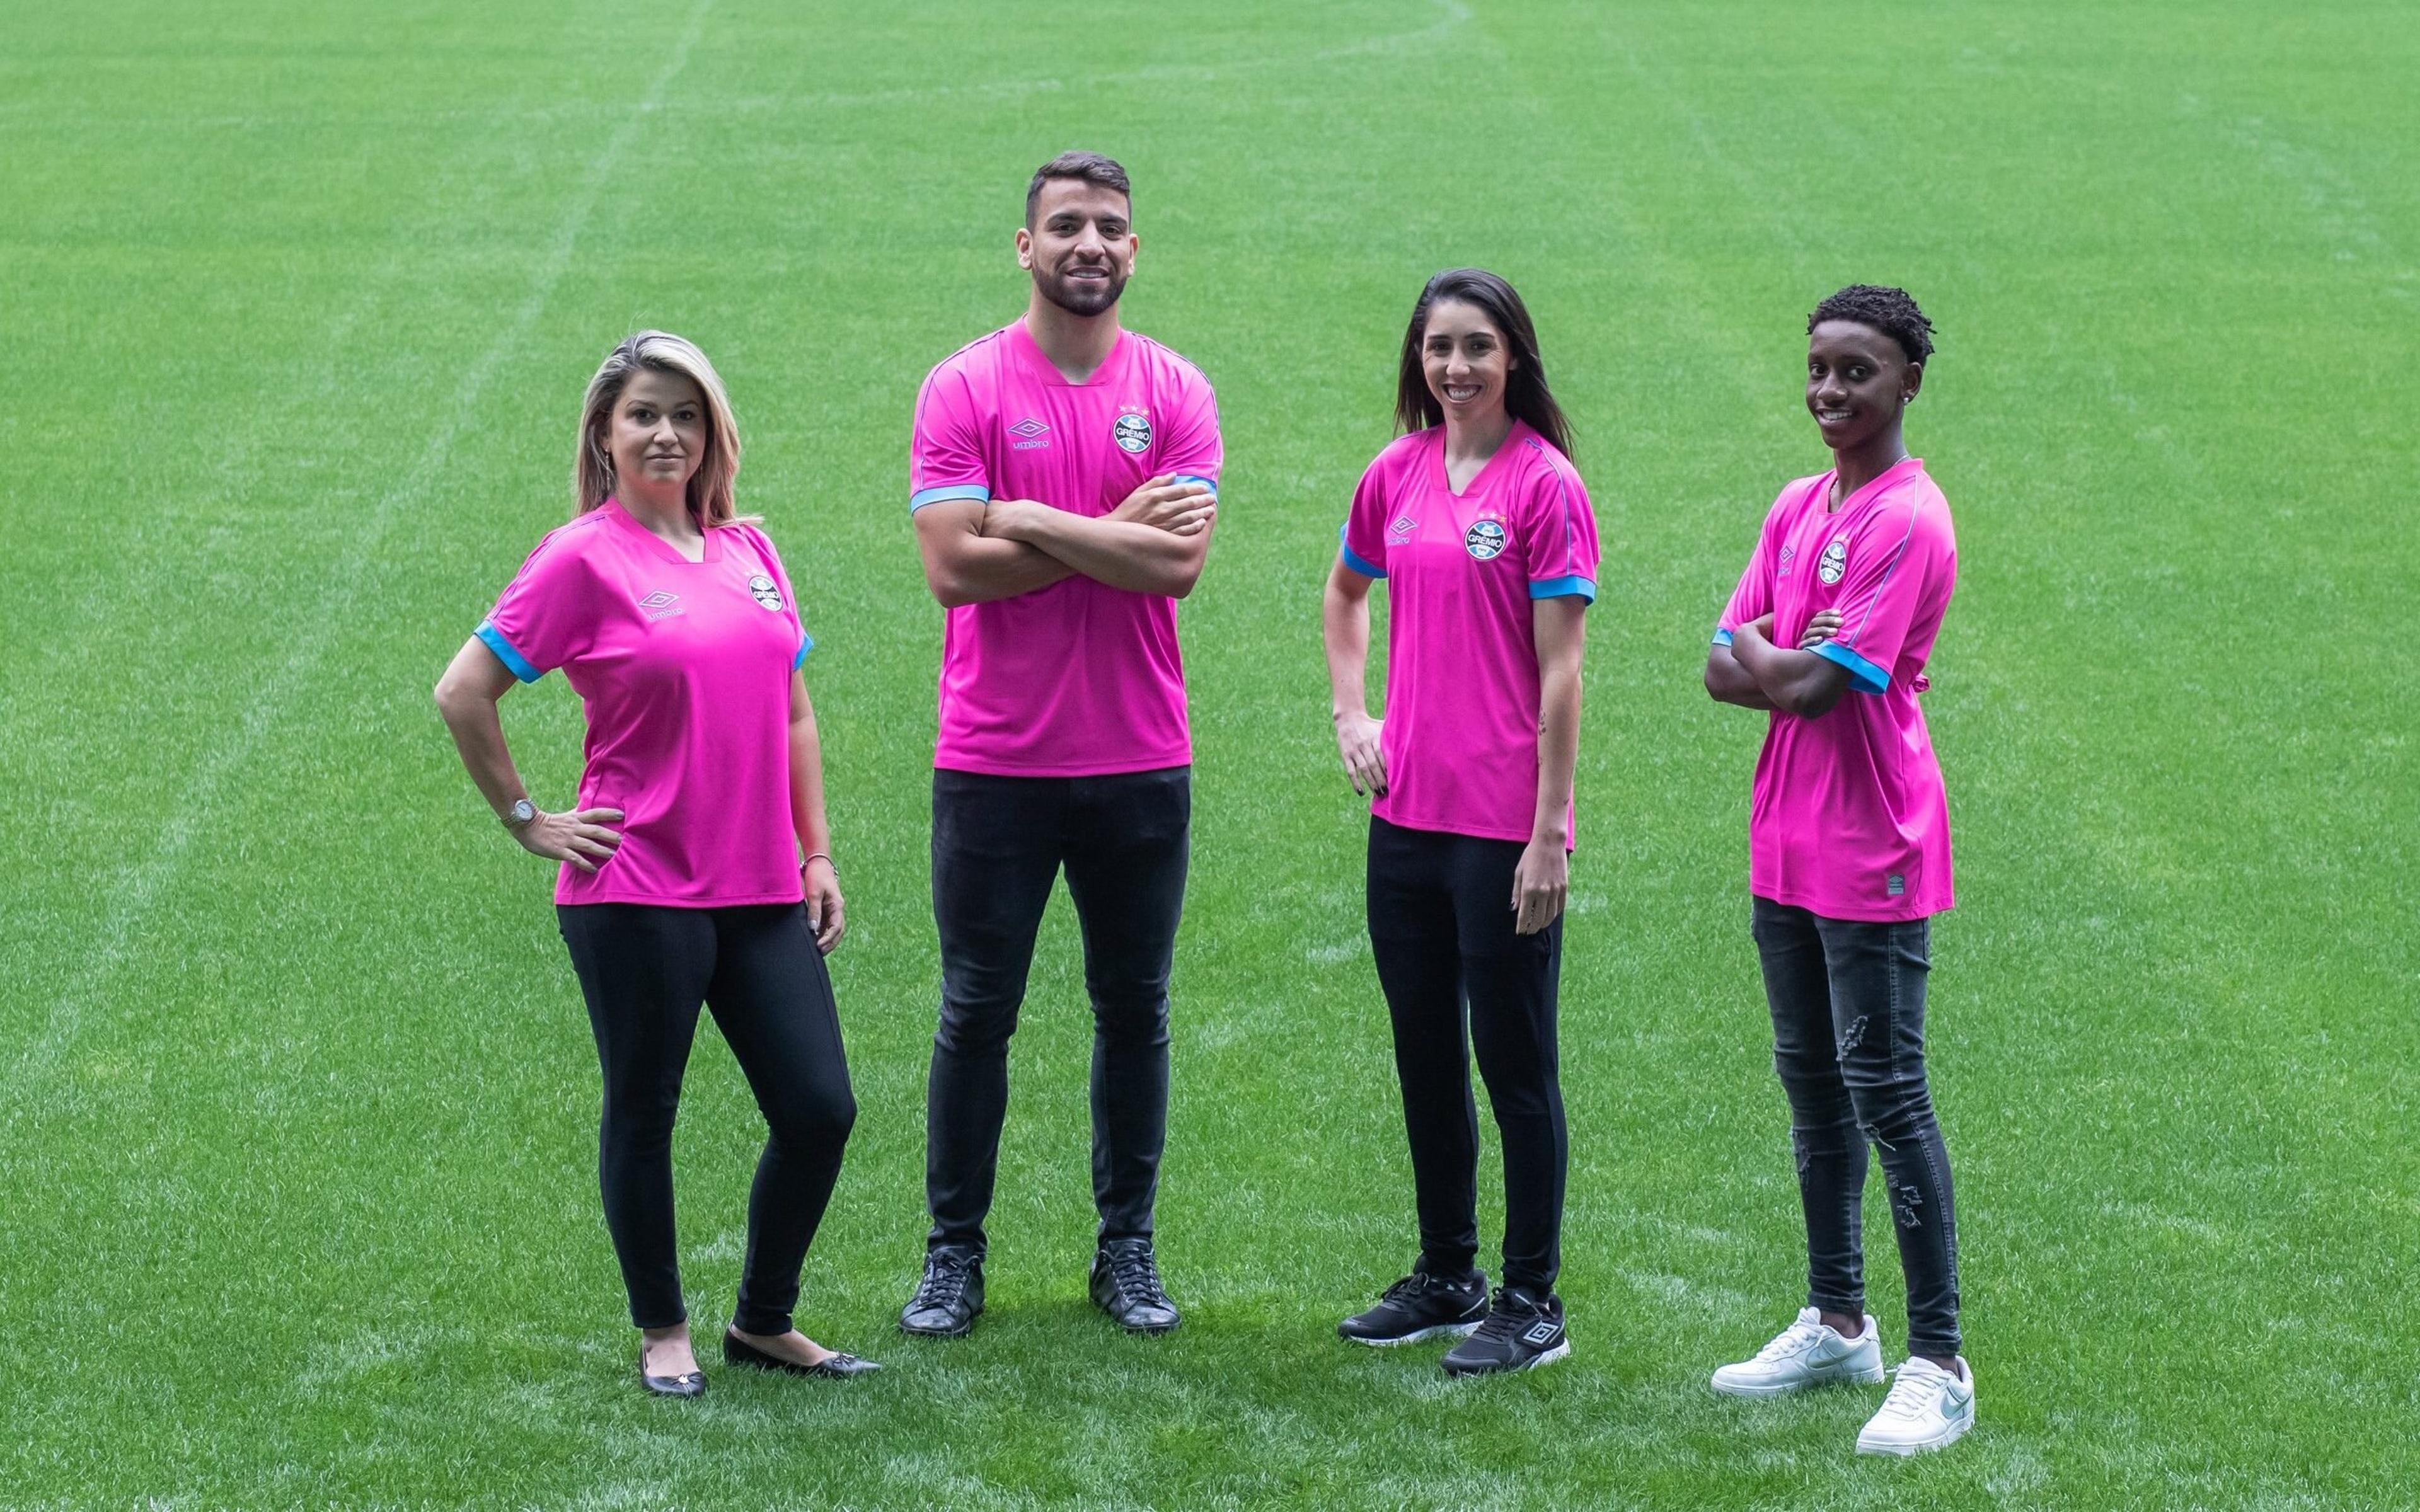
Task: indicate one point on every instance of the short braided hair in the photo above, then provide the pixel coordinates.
(1890, 310)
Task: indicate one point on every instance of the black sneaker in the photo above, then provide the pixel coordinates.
(1420, 1306)
(1125, 1285)
(1520, 1334)
(949, 1296)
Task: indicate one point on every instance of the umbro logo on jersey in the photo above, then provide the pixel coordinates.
(1030, 433)
(660, 605)
(764, 591)
(1133, 431)
(1834, 563)
(1403, 528)
(1781, 567)
(1484, 538)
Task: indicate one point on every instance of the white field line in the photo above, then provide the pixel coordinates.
(133, 901)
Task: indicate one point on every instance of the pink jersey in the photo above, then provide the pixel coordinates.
(1461, 734)
(1850, 820)
(683, 669)
(1077, 679)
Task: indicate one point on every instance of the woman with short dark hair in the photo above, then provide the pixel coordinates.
(1829, 630)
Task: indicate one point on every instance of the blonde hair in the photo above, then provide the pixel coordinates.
(710, 487)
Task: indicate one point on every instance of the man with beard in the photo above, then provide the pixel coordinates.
(1064, 482)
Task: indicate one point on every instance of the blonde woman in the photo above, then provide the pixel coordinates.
(682, 881)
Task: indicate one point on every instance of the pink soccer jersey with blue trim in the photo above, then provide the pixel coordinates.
(1078, 679)
(683, 669)
(1463, 572)
(1849, 819)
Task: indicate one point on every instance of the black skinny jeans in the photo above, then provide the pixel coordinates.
(1848, 1038)
(1441, 916)
(997, 844)
(644, 971)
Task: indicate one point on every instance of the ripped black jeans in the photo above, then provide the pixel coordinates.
(1848, 1038)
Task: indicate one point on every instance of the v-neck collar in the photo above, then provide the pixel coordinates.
(662, 548)
(1443, 479)
(1895, 472)
(1047, 371)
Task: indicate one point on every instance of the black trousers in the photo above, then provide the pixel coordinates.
(644, 971)
(1848, 1038)
(997, 844)
(1441, 932)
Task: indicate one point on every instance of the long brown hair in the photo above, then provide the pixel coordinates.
(1526, 397)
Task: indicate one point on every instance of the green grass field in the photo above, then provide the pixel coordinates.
(297, 1182)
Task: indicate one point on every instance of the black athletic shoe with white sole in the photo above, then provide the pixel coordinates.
(1420, 1306)
(1125, 1285)
(1522, 1332)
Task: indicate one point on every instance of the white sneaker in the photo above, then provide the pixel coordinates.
(1809, 1352)
(1927, 1409)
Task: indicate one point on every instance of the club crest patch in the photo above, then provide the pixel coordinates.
(1484, 538)
(1833, 562)
(1133, 431)
(764, 591)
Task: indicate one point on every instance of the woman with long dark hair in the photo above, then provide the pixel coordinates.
(1828, 632)
(1480, 528)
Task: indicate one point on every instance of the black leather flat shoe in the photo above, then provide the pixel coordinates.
(836, 1366)
(687, 1383)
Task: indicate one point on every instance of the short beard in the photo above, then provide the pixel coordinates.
(1083, 301)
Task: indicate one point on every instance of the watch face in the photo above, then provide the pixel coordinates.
(523, 811)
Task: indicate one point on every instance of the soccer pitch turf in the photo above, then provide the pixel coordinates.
(298, 1198)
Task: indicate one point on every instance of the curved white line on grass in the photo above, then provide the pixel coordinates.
(133, 901)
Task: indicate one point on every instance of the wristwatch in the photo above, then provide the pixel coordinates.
(522, 814)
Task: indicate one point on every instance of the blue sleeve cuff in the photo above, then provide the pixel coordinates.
(1583, 589)
(922, 497)
(806, 643)
(1352, 560)
(1195, 477)
(514, 661)
(1722, 638)
(1862, 674)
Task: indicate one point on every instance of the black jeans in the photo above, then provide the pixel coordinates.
(1848, 1038)
(1441, 932)
(644, 970)
(997, 844)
